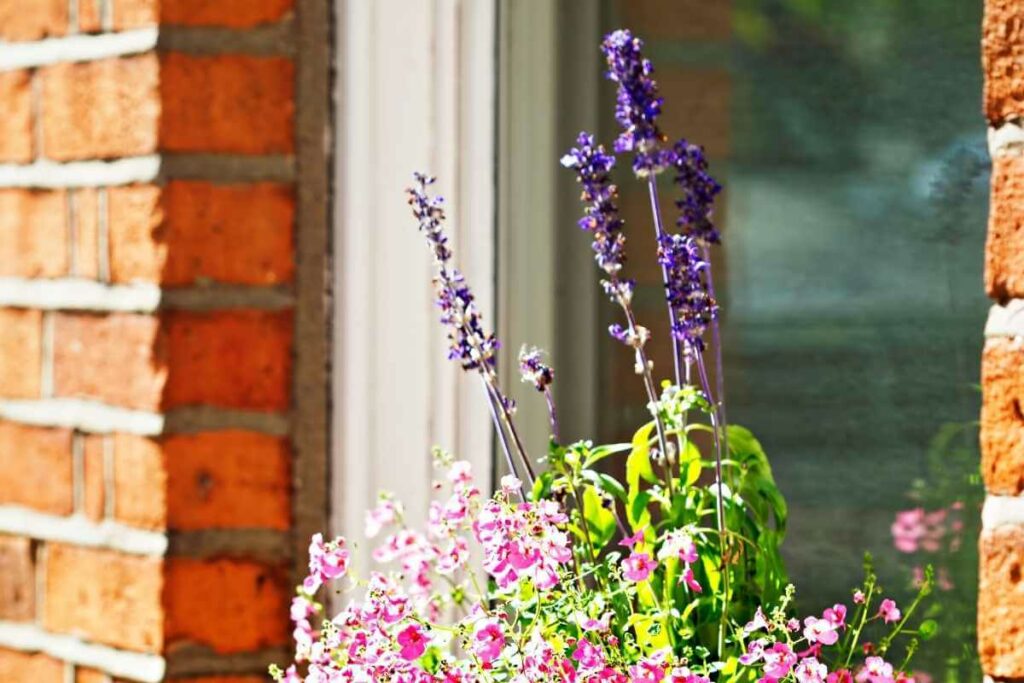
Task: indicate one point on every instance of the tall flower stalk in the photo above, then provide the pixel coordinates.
(601, 219)
(468, 343)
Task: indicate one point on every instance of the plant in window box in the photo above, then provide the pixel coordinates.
(670, 573)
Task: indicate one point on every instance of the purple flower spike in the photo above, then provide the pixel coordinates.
(699, 190)
(468, 342)
(637, 105)
(533, 369)
(694, 308)
(601, 215)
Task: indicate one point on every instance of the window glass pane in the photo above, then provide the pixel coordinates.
(850, 141)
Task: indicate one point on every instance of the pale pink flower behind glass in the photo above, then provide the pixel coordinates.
(889, 611)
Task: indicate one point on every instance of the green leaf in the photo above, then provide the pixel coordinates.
(636, 510)
(606, 483)
(638, 464)
(928, 629)
(601, 452)
(600, 520)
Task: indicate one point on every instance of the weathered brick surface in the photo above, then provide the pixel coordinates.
(20, 667)
(89, 18)
(21, 334)
(101, 109)
(228, 479)
(114, 358)
(1003, 59)
(228, 103)
(17, 579)
(191, 232)
(16, 123)
(231, 13)
(35, 468)
(1002, 425)
(33, 233)
(86, 232)
(140, 482)
(246, 614)
(83, 675)
(94, 486)
(1001, 602)
(198, 345)
(1004, 249)
(32, 20)
(104, 596)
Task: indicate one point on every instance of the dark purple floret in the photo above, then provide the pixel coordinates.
(687, 294)
(468, 342)
(533, 369)
(698, 189)
(601, 215)
(637, 103)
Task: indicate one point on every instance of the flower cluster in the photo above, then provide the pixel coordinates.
(637, 104)
(468, 342)
(686, 290)
(601, 216)
(698, 190)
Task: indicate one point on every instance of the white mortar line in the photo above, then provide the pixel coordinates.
(78, 294)
(1006, 321)
(1006, 139)
(78, 530)
(134, 666)
(1002, 510)
(49, 174)
(77, 48)
(88, 416)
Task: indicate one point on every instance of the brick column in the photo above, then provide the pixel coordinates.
(1001, 598)
(163, 246)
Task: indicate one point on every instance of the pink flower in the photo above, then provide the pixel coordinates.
(836, 614)
(778, 660)
(841, 676)
(690, 580)
(811, 670)
(631, 541)
(758, 623)
(820, 631)
(915, 529)
(793, 625)
(858, 597)
(510, 484)
(589, 656)
(412, 641)
(681, 674)
(638, 566)
(327, 561)
(488, 640)
(876, 670)
(889, 611)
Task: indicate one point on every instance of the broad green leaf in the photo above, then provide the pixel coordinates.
(600, 520)
(636, 510)
(638, 464)
(601, 452)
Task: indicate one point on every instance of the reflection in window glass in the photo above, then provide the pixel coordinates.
(850, 141)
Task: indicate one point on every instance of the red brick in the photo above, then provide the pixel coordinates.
(101, 109)
(677, 19)
(17, 579)
(140, 482)
(16, 139)
(90, 676)
(21, 353)
(245, 616)
(1002, 424)
(21, 20)
(1004, 249)
(196, 231)
(86, 235)
(228, 479)
(703, 120)
(198, 344)
(89, 16)
(113, 358)
(105, 596)
(94, 486)
(35, 468)
(33, 233)
(232, 103)
(20, 667)
(1002, 51)
(1001, 602)
(128, 14)
(231, 13)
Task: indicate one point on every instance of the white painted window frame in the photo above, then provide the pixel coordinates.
(416, 91)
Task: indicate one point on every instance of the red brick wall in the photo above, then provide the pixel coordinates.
(154, 321)
(1001, 600)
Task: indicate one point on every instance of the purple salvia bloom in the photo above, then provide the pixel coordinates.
(468, 342)
(637, 104)
(601, 215)
(533, 369)
(687, 294)
(698, 189)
